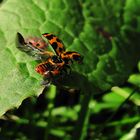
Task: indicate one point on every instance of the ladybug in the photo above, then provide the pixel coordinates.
(58, 46)
(52, 68)
(54, 64)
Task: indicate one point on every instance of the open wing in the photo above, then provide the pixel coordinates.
(33, 46)
(55, 42)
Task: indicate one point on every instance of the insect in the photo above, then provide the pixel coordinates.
(58, 46)
(33, 46)
(54, 64)
(58, 65)
(52, 68)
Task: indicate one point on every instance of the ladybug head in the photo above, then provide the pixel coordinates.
(56, 59)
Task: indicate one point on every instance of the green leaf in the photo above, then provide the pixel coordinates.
(132, 134)
(106, 62)
(18, 79)
(135, 79)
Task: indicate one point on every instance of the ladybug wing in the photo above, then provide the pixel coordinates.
(44, 67)
(72, 56)
(20, 39)
(55, 42)
(23, 45)
(28, 46)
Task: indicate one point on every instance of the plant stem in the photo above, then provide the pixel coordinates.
(81, 126)
(50, 108)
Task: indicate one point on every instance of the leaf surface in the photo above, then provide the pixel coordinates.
(107, 62)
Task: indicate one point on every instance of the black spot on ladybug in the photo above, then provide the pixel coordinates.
(76, 57)
(37, 44)
(61, 49)
(30, 43)
(56, 59)
(58, 40)
(66, 60)
(69, 52)
(50, 37)
(54, 45)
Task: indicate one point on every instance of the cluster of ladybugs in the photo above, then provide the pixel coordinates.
(54, 64)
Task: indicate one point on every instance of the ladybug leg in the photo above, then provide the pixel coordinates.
(44, 55)
(50, 76)
(45, 83)
(47, 78)
(47, 53)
